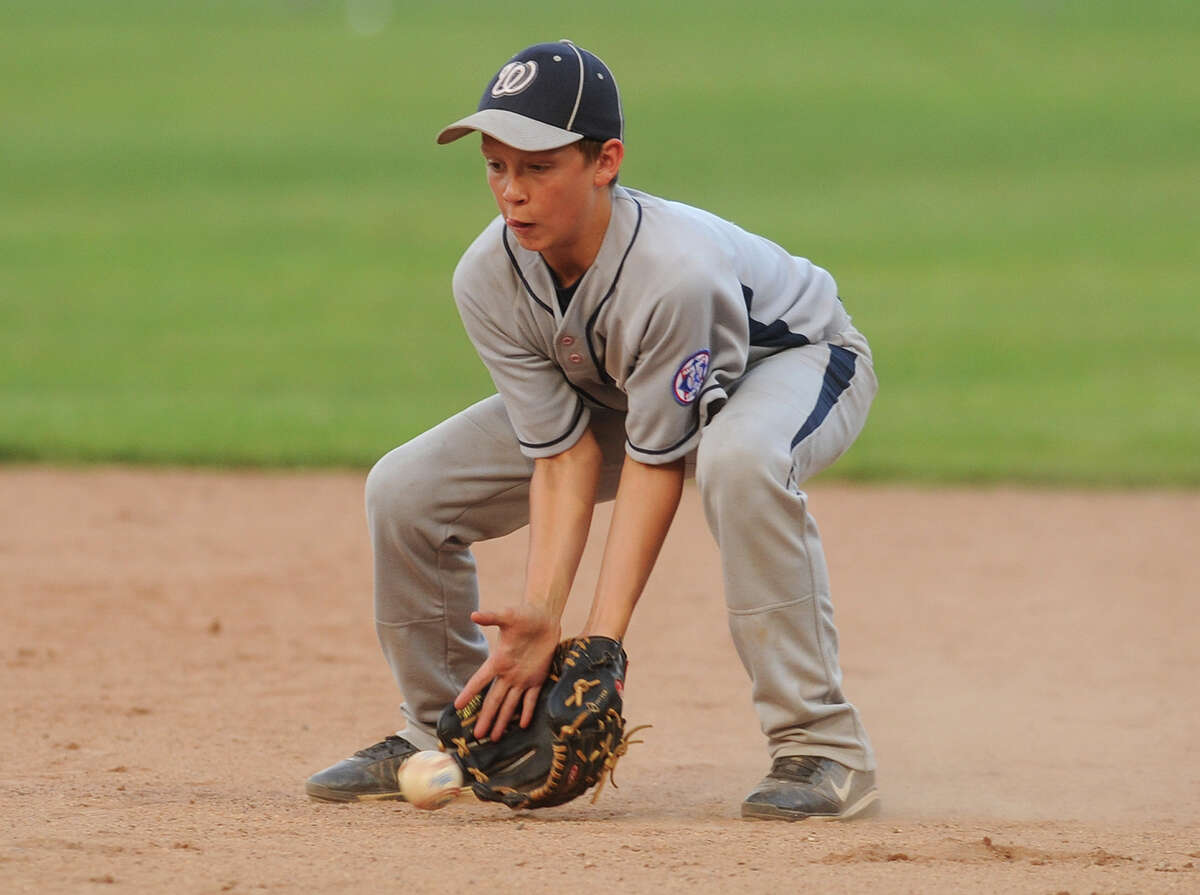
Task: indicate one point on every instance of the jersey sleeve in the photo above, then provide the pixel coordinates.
(693, 347)
(546, 413)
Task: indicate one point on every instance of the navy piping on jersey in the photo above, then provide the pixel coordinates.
(520, 273)
(770, 335)
(554, 441)
(838, 373)
(713, 407)
(691, 432)
(591, 324)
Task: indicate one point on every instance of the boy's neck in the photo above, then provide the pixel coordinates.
(575, 259)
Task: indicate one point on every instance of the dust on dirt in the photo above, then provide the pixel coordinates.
(181, 649)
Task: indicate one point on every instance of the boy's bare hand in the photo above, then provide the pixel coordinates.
(516, 668)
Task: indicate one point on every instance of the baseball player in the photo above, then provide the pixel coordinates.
(633, 342)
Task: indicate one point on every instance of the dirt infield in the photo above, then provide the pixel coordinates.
(180, 650)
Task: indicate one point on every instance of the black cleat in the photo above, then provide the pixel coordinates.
(368, 775)
(804, 786)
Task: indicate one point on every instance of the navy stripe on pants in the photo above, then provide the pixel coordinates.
(838, 374)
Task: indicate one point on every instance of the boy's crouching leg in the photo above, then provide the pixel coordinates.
(777, 589)
(427, 502)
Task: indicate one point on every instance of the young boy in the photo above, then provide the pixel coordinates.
(633, 341)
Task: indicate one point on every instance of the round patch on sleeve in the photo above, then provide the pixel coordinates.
(689, 381)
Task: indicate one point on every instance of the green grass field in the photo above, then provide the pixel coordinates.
(226, 234)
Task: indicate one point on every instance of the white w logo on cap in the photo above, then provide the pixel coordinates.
(514, 78)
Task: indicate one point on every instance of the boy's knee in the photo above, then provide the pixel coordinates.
(397, 484)
(735, 467)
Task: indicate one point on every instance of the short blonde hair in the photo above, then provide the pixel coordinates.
(591, 150)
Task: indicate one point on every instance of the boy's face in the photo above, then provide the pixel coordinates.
(551, 201)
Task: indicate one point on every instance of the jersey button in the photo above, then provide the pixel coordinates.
(576, 358)
(567, 340)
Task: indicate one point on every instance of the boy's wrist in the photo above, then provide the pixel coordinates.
(606, 624)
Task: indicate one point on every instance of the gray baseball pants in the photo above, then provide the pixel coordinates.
(466, 480)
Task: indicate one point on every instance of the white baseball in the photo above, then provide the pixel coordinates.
(430, 780)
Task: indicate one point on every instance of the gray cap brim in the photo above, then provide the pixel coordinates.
(512, 129)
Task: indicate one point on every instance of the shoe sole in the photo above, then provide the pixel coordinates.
(867, 806)
(320, 793)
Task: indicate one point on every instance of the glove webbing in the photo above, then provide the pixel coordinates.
(610, 763)
(559, 762)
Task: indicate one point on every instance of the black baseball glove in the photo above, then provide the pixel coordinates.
(576, 736)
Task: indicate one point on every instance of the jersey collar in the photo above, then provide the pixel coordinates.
(599, 280)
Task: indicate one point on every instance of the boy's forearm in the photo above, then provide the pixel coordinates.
(647, 499)
(562, 497)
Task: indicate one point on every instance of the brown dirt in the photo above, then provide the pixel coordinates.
(181, 649)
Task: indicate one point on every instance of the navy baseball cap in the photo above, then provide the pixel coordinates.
(546, 96)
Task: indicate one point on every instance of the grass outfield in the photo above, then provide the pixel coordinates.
(226, 234)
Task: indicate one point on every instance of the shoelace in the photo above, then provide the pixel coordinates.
(800, 770)
(392, 746)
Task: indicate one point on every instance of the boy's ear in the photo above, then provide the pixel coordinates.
(609, 163)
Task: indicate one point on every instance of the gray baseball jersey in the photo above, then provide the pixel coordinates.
(678, 304)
